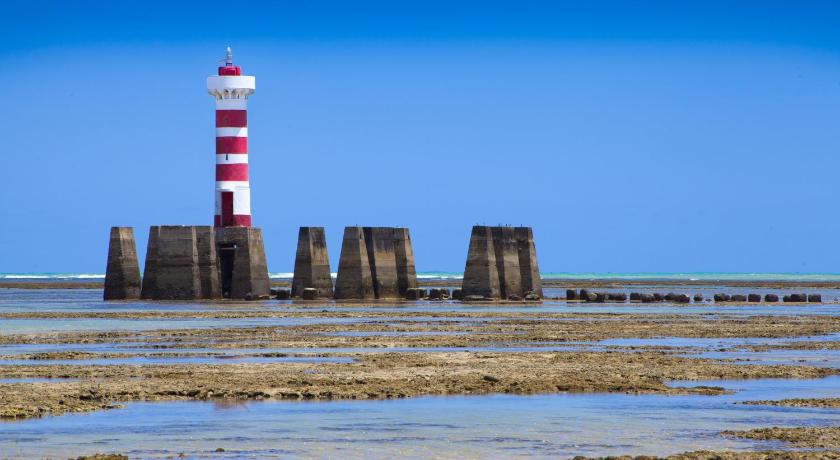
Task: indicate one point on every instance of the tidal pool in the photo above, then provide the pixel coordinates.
(543, 426)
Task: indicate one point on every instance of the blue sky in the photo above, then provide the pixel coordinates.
(633, 136)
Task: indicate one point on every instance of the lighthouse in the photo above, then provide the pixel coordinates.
(231, 90)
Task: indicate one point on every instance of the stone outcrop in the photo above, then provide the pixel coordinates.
(122, 274)
(502, 264)
(242, 265)
(354, 279)
(312, 264)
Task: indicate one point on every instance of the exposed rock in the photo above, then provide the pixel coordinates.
(415, 294)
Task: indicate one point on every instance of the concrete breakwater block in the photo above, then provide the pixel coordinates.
(122, 274)
(375, 263)
(379, 242)
(502, 264)
(312, 263)
(354, 279)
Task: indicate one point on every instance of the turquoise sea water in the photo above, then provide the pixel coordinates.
(655, 276)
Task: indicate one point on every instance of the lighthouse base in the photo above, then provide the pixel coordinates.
(200, 262)
(243, 271)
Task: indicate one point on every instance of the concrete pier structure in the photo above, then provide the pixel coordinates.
(122, 274)
(404, 253)
(171, 271)
(242, 266)
(379, 242)
(481, 276)
(354, 280)
(529, 268)
(502, 263)
(312, 264)
(507, 262)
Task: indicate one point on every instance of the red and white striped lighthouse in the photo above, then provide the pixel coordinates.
(233, 192)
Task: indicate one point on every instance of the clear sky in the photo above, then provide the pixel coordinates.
(632, 136)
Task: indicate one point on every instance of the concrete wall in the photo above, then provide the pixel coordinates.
(354, 280)
(312, 263)
(122, 274)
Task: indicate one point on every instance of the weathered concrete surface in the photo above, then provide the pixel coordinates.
(122, 274)
(208, 262)
(354, 280)
(379, 242)
(404, 253)
(312, 264)
(249, 273)
(171, 271)
(502, 263)
(529, 268)
(507, 262)
(481, 277)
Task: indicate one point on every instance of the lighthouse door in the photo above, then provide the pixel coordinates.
(227, 209)
(227, 256)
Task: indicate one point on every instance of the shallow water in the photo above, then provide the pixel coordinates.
(544, 426)
(90, 300)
